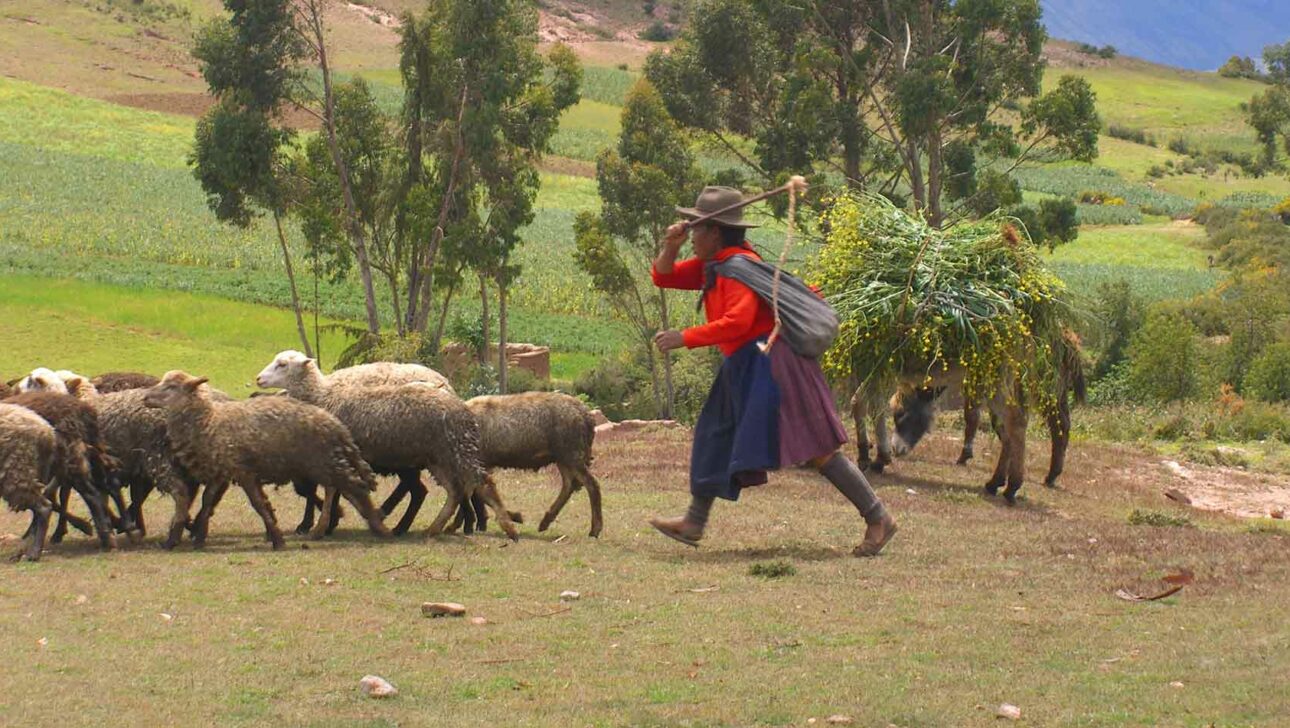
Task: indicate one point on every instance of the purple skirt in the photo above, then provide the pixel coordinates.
(763, 412)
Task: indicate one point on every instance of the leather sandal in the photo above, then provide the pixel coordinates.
(678, 529)
(874, 542)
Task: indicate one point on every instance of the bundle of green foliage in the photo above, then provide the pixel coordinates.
(911, 297)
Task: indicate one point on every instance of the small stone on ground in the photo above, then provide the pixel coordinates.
(375, 686)
(443, 609)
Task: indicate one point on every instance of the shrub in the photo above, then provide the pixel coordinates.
(658, 32)
(1059, 219)
(1147, 517)
(522, 380)
(1121, 313)
(1179, 145)
(620, 387)
(1129, 134)
(1164, 358)
(692, 376)
(1268, 379)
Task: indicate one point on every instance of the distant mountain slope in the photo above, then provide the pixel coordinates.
(1195, 34)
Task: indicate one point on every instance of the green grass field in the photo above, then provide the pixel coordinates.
(1159, 261)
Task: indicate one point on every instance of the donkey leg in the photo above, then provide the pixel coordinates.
(1059, 430)
(971, 423)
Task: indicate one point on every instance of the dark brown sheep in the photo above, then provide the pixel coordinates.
(82, 461)
(110, 382)
(27, 449)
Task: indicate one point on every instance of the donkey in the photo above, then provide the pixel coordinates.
(913, 413)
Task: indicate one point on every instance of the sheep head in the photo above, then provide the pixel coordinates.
(42, 380)
(174, 389)
(286, 367)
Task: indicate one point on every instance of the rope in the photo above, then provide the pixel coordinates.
(796, 184)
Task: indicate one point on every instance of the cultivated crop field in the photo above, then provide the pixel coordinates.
(973, 605)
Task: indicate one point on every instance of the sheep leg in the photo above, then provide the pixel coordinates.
(255, 493)
(183, 502)
(99, 515)
(210, 498)
(455, 495)
(39, 528)
(494, 500)
(368, 510)
(64, 495)
(568, 483)
(309, 492)
(480, 508)
(139, 492)
(409, 484)
(593, 497)
(320, 528)
(402, 490)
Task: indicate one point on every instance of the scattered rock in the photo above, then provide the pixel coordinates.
(43, 641)
(1278, 513)
(570, 596)
(304, 581)
(167, 618)
(1174, 494)
(839, 720)
(1009, 711)
(81, 599)
(329, 582)
(442, 609)
(1176, 684)
(375, 686)
(478, 621)
(911, 491)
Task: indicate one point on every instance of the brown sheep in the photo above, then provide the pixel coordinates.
(532, 430)
(258, 441)
(27, 450)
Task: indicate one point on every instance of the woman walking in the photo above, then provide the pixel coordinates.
(764, 411)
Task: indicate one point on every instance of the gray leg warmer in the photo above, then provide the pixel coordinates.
(848, 479)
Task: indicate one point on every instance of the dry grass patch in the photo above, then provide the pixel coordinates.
(974, 604)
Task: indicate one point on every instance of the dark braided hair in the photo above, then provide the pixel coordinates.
(732, 237)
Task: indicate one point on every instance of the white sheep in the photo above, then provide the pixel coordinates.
(401, 430)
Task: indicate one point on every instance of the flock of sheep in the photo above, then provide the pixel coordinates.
(61, 432)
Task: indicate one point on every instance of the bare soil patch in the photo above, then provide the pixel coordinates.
(196, 104)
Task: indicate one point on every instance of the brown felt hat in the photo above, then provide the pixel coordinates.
(714, 198)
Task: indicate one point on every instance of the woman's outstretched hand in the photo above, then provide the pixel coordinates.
(668, 340)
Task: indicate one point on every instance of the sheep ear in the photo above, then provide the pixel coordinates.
(193, 384)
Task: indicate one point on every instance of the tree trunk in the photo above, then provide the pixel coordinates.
(437, 341)
(317, 338)
(934, 169)
(482, 354)
(914, 166)
(291, 279)
(392, 280)
(419, 300)
(659, 404)
(669, 392)
(501, 338)
(342, 171)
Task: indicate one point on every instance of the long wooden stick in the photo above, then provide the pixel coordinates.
(796, 182)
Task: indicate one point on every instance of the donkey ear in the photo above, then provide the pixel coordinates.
(192, 384)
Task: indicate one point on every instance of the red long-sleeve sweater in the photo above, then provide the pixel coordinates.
(735, 314)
